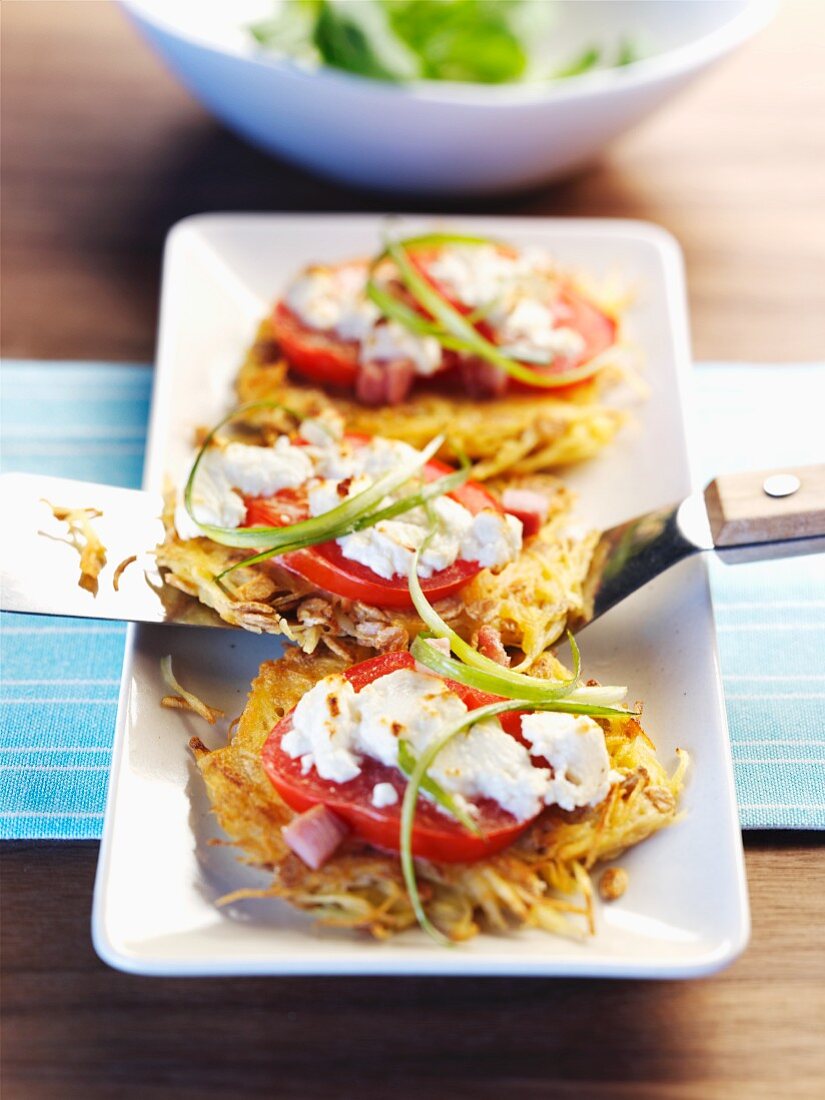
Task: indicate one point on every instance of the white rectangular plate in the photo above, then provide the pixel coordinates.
(685, 912)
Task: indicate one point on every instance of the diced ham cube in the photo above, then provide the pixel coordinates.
(314, 835)
(527, 505)
(482, 379)
(385, 383)
(490, 645)
(442, 645)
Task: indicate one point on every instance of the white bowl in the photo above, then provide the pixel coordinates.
(433, 136)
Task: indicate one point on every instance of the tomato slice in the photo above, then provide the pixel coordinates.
(325, 358)
(596, 328)
(435, 835)
(321, 356)
(326, 567)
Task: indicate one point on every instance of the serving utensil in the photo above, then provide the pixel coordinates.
(743, 517)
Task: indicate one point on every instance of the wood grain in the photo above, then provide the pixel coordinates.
(741, 512)
(102, 152)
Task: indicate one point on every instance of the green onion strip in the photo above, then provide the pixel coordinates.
(446, 484)
(353, 514)
(418, 779)
(487, 674)
(319, 528)
(448, 325)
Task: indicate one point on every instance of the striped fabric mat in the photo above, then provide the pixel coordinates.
(60, 676)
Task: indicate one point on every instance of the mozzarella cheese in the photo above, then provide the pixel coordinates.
(333, 728)
(333, 470)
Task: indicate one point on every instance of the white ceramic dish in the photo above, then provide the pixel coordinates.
(685, 912)
(432, 136)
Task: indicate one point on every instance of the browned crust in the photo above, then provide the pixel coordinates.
(520, 433)
(541, 881)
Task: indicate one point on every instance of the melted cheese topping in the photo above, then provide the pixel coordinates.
(332, 470)
(333, 728)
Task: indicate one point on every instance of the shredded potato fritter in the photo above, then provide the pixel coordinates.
(519, 433)
(529, 600)
(542, 881)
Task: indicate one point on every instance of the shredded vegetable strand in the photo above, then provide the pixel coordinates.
(426, 760)
(447, 484)
(457, 328)
(190, 701)
(508, 683)
(311, 531)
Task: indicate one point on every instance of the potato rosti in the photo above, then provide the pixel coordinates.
(541, 880)
(527, 594)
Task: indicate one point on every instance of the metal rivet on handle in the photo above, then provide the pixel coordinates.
(781, 485)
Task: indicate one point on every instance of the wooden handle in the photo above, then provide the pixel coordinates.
(744, 509)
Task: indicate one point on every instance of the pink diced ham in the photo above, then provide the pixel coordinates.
(314, 835)
(442, 645)
(528, 506)
(386, 383)
(482, 379)
(490, 645)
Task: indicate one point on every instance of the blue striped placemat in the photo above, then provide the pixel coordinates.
(60, 676)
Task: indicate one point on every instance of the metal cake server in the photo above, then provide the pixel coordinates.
(743, 517)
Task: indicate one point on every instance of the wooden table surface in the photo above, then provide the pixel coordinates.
(102, 152)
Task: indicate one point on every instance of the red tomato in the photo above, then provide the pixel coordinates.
(327, 359)
(322, 357)
(596, 328)
(326, 567)
(435, 835)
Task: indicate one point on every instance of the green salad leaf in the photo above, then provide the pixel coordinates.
(463, 40)
(586, 61)
(357, 37)
(470, 41)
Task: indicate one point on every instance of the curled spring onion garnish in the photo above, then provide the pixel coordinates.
(447, 484)
(476, 670)
(419, 779)
(353, 514)
(310, 531)
(453, 329)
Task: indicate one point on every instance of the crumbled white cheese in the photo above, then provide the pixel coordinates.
(334, 300)
(531, 325)
(321, 730)
(493, 539)
(515, 288)
(389, 341)
(384, 794)
(264, 471)
(213, 500)
(519, 288)
(478, 275)
(335, 470)
(573, 745)
(483, 762)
